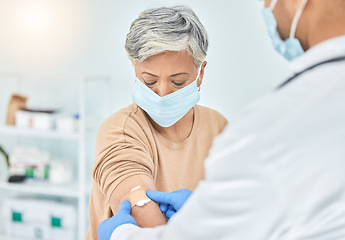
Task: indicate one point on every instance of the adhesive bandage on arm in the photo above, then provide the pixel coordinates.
(137, 197)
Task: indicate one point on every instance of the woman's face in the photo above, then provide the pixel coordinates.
(168, 72)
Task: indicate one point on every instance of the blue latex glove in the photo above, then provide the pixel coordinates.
(106, 228)
(169, 203)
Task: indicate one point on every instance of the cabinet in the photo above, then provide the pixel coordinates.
(98, 89)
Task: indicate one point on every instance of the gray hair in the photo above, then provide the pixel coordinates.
(165, 29)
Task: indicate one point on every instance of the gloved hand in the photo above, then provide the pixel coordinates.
(169, 203)
(106, 228)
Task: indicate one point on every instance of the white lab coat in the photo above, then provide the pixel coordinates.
(278, 171)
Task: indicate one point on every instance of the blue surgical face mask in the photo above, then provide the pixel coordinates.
(169, 109)
(291, 48)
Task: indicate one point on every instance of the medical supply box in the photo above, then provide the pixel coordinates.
(39, 219)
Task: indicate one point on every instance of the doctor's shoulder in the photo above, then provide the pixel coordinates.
(211, 119)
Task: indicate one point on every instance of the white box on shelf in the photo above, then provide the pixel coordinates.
(34, 120)
(25, 158)
(60, 172)
(39, 219)
(66, 124)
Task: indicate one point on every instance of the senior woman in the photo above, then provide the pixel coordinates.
(161, 140)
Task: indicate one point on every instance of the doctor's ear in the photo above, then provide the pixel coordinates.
(202, 72)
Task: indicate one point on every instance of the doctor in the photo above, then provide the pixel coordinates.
(278, 171)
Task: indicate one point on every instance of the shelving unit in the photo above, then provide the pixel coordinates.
(44, 188)
(9, 130)
(80, 189)
(3, 237)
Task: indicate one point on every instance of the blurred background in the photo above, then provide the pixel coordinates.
(65, 61)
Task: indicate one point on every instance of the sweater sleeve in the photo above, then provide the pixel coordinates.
(122, 150)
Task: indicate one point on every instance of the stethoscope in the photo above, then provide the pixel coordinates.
(339, 59)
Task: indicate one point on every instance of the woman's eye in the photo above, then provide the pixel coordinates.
(178, 83)
(150, 83)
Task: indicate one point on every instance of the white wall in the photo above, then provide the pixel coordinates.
(241, 62)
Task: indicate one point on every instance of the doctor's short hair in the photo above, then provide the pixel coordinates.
(165, 29)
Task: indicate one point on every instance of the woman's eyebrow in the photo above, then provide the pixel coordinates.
(177, 74)
(174, 75)
(149, 74)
